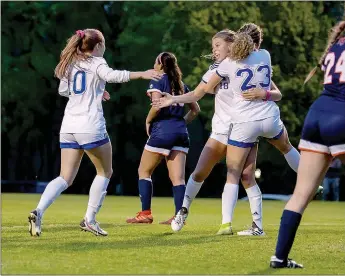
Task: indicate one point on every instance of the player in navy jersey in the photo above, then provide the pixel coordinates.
(323, 138)
(168, 137)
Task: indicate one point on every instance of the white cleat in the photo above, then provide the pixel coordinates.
(92, 227)
(35, 220)
(252, 231)
(178, 222)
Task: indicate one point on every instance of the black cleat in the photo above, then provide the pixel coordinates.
(288, 263)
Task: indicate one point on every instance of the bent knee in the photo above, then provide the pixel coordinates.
(199, 176)
(105, 173)
(177, 179)
(108, 173)
(68, 178)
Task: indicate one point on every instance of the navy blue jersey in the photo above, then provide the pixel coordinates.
(169, 119)
(332, 98)
(324, 127)
(334, 68)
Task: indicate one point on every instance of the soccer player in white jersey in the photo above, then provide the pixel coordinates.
(230, 194)
(83, 73)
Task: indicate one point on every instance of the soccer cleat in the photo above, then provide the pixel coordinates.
(288, 263)
(254, 230)
(225, 229)
(35, 219)
(167, 221)
(92, 227)
(179, 220)
(141, 217)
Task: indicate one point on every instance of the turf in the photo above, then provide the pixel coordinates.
(154, 249)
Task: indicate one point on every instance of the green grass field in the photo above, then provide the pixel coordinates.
(154, 249)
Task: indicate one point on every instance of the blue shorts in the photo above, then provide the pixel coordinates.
(323, 132)
(82, 140)
(163, 144)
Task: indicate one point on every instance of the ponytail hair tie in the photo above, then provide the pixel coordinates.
(80, 33)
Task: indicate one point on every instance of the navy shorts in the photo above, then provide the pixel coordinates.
(163, 144)
(323, 132)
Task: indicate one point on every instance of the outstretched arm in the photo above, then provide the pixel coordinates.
(191, 97)
(118, 76)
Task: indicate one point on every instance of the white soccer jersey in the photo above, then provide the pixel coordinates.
(254, 71)
(222, 104)
(84, 88)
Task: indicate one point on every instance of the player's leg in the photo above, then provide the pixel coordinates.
(282, 143)
(149, 161)
(100, 153)
(71, 157)
(213, 151)
(176, 162)
(241, 140)
(307, 183)
(254, 195)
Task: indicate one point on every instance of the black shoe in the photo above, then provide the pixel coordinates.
(288, 263)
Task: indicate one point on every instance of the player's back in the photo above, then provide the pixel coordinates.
(324, 125)
(84, 112)
(332, 97)
(169, 119)
(251, 72)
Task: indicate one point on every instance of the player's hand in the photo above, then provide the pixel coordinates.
(148, 129)
(151, 75)
(164, 101)
(106, 96)
(254, 94)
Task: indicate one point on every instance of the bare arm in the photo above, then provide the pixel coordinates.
(153, 112)
(199, 91)
(276, 95)
(194, 110)
(262, 94)
(191, 97)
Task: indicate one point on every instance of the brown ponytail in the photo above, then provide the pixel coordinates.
(334, 35)
(171, 68)
(82, 42)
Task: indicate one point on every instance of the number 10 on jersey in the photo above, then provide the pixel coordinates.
(79, 82)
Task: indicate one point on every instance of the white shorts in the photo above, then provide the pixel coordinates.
(220, 137)
(245, 135)
(82, 140)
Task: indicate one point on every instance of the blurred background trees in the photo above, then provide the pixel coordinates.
(34, 33)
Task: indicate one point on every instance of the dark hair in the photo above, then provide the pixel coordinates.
(254, 31)
(171, 68)
(245, 40)
(79, 43)
(334, 34)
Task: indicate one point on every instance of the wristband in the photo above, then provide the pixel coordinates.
(268, 95)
